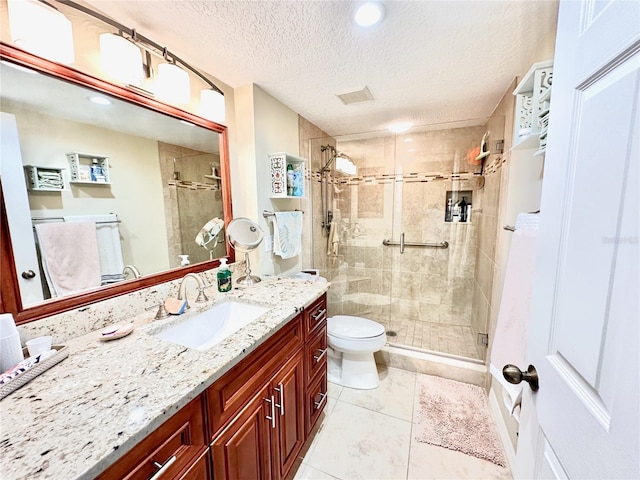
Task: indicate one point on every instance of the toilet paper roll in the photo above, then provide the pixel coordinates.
(10, 352)
(10, 348)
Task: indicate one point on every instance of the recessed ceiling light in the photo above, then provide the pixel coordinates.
(400, 127)
(100, 100)
(368, 14)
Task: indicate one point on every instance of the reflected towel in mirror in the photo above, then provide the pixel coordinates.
(69, 253)
(109, 245)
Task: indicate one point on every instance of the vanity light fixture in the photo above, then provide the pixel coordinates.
(121, 59)
(368, 14)
(212, 105)
(172, 83)
(400, 127)
(39, 28)
(100, 100)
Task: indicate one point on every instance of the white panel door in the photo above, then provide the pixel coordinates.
(16, 200)
(584, 422)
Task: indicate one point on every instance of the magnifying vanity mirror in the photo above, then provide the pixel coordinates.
(147, 174)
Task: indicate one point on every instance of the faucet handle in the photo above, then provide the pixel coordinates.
(162, 311)
(201, 296)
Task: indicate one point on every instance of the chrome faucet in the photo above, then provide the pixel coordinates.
(134, 271)
(182, 295)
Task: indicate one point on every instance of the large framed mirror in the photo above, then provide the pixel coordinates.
(153, 179)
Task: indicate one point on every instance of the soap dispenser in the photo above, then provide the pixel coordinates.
(224, 276)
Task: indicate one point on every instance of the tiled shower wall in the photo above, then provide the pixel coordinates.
(424, 296)
(184, 198)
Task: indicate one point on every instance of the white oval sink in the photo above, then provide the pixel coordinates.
(208, 328)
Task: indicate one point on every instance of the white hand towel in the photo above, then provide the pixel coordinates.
(332, 240)
(69, 253)
(287, 234)
(510, 340)
(109, 245)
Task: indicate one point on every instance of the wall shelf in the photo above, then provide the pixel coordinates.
(44, 179)
(533, 101)
(89, 169)
(283, 183)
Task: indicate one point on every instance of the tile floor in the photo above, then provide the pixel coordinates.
(367, 434)
(437, 337)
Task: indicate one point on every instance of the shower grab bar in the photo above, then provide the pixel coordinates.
(402, 243)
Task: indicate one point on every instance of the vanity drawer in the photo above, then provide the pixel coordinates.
(178, 443)
(315, 353)
(229, 394)
(315, 316)
(315, 399)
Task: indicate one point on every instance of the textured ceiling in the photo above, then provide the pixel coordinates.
(428, 62)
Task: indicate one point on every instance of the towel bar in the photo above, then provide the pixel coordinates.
(266, 213)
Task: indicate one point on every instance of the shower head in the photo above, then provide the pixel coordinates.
(343, 163)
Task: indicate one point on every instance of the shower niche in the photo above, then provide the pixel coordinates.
(458, 204)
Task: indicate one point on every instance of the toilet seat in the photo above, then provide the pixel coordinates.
(347, 327)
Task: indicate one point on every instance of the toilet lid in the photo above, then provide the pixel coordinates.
(345, 326)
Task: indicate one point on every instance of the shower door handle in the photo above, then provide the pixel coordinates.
(401, 243)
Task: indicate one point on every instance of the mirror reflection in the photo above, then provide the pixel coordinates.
(112, 190)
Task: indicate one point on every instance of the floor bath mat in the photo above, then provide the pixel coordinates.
(456, 416)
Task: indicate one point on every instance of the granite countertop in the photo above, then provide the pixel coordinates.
(80, 416)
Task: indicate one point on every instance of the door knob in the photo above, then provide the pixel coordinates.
(514, 375)
(29, 274)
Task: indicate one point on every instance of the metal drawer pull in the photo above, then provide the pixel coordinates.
(317, 358)
(322, 400)
(273, 411)
(280, 390)
(163, 467)
(319, 314)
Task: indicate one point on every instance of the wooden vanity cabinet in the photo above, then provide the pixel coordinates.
(179, 447)
(252, 422)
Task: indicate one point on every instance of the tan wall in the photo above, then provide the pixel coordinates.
(135, 193)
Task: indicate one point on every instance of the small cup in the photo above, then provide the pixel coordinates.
(38, 345)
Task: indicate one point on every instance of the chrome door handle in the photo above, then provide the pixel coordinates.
(513, 374)
(319, 314)
(401, 243)
(317, 358)
(323, 398)
(163, 467)
(280, 390)
(273, 411)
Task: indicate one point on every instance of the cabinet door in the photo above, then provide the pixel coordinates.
(288, 388)
(243, 449)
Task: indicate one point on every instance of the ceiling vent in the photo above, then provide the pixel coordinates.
(356, 96)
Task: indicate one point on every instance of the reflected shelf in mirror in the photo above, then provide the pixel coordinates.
(143, 153)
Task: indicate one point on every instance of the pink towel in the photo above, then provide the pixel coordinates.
(70, 257)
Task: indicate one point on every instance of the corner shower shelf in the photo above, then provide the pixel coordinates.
(278, 164)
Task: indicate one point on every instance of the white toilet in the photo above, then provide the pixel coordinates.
(352, 342)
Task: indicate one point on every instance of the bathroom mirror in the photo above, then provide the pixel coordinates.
(148, 173)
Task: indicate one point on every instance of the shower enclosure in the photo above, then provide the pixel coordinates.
(403, 247)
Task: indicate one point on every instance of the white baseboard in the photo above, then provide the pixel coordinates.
(503, 433)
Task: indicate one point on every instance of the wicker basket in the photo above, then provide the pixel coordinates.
(33, 372)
